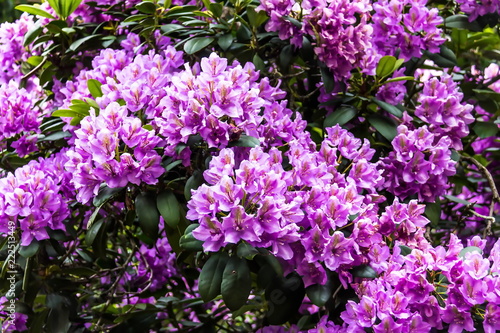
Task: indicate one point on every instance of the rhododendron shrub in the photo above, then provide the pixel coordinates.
(265, 166)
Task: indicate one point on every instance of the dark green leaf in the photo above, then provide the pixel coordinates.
(236, 283)
(385, 126)
(80, 42)
(29, 250)
(56, 136)
(209, 283)
(364, 271)
(30, 36)
(105, 194)
(386, 66)
(225, 41)
(395, 111)
(286, 58)
(284, 297)
(446, 58)
(456, 199)
(433, 212)
(188, 242)
(245, 141)
(461, 22)
(35, 10)
(258, 62)
(92, 232)
(320, 294)
(469, 249)
(256, 19)
(193, 183)
(328, 80)
(149, 217)
(94, 88)
(138, 17)
(167, 204)
(485, 129)
(405, 250)
(180, 11)
(246, 251)
(216, 9)
(146, 7)
(196, 44)
(341, 116)
(58, 318)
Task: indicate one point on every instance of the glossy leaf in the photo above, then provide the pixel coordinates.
(341, 116)
(236, 283)
(94, 88)
(485, 129)
(364, 271)
(35, 10)
(395, 111)
(29, 250)
(168, 206)
(385, 126)
(149, 217)
(209, 283)
(245, 141)
(385, 66)
(196, 44)
(193, 183)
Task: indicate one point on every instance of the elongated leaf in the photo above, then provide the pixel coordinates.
(149, 217)
(209, 284)
(284, 297)
(80, 42)
(29, 250)
(485, 129)
(196, 44)
(94, 88)
(384, 126)
(35, 10)
(462, 22)
(245, 141)
(193, 183)
(146, 7)
(92, 232)
(319, 294)
(364, 271)
(66, 113)
(341, 116)
(105, 194)
(388, 107)
(167, 204)
(236, 283)
(386, 66)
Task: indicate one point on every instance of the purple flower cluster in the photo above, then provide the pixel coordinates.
(114, 148)
(296, 213)
(279, 11)
(220, 102)
(12, 321)
(36, 197)
(11, 48)
(343, 35)
(475, 8)
(407, 26)
(393, 92)
(441, 107)
(21, 116)
(429, 288)
(419, 164)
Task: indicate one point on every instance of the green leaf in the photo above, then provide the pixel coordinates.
(92, 232)
(485, 129)
(293, 21)
(167, 204)
(469, 249)
(433, 212)
(35, 10)
(446, 58)
(385, 126)
(327, 78)
(193, 183)
(385, 66)
(236, 283)
(245, 141)
(66, 113)
(196, 44)
(58, 318)
(30, 36)
(462, 22)
(216, 9)
(146, 7)
(149, 217)
(209, 283)
(225, 41)
(258, 62)
(286, 58)
(394, 110)
(80, 42)
(180, 11)
(405, 250)
(320, 294)
(456, 199)
(341, 116)
(364, 271)
(284, 297)
(246, 251)
(105, 194)
(256, 19)
(188, 242)
(94, 88)
(400, 78)
(29, 250)
(56, 136)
